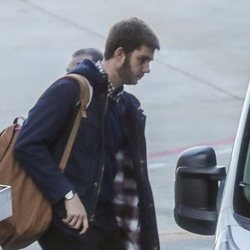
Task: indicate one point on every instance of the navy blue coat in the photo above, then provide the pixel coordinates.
(43, 137)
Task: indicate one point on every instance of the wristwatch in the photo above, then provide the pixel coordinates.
(69, 195)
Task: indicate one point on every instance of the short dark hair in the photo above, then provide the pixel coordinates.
(130, 34)
(94, 53)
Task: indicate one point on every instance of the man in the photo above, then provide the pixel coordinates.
(124, 181)
(89, 53)
(110, 137)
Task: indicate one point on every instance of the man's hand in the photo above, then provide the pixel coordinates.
(76, 214)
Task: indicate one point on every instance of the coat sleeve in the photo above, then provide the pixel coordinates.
(46, 119)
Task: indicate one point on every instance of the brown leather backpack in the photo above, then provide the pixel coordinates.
(31, 212)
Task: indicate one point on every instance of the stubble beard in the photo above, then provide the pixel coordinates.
(125, 73)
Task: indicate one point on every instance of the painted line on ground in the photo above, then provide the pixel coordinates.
(174, 151)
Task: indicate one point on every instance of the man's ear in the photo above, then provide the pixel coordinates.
(120, 55)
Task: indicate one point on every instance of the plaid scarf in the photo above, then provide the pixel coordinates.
(126, 202)
(113, 93)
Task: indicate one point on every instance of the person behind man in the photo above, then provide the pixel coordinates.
(87, 53)
(111, 137)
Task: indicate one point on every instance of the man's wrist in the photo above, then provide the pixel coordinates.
(69, 195)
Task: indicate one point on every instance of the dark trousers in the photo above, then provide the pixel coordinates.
(103, 234)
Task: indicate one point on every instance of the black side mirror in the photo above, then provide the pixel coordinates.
(196, 188)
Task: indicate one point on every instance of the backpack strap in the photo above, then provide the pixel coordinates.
(85, 98)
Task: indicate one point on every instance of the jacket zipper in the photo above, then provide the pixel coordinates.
(103, 166)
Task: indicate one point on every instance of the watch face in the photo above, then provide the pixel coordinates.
(69, 195)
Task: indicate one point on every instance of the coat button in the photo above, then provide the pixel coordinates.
(92, 217)
(142, 161)
(96, 184)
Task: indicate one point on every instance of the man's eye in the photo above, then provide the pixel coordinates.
(142, 60)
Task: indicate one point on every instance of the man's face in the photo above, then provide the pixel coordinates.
(136, 65)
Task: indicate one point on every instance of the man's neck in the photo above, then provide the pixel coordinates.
(112, 73)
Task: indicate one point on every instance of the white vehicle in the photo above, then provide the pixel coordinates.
(210, 201)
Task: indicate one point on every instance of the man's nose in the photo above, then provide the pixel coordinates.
(146, 68)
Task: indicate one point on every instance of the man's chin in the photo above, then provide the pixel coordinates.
(131, 82)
